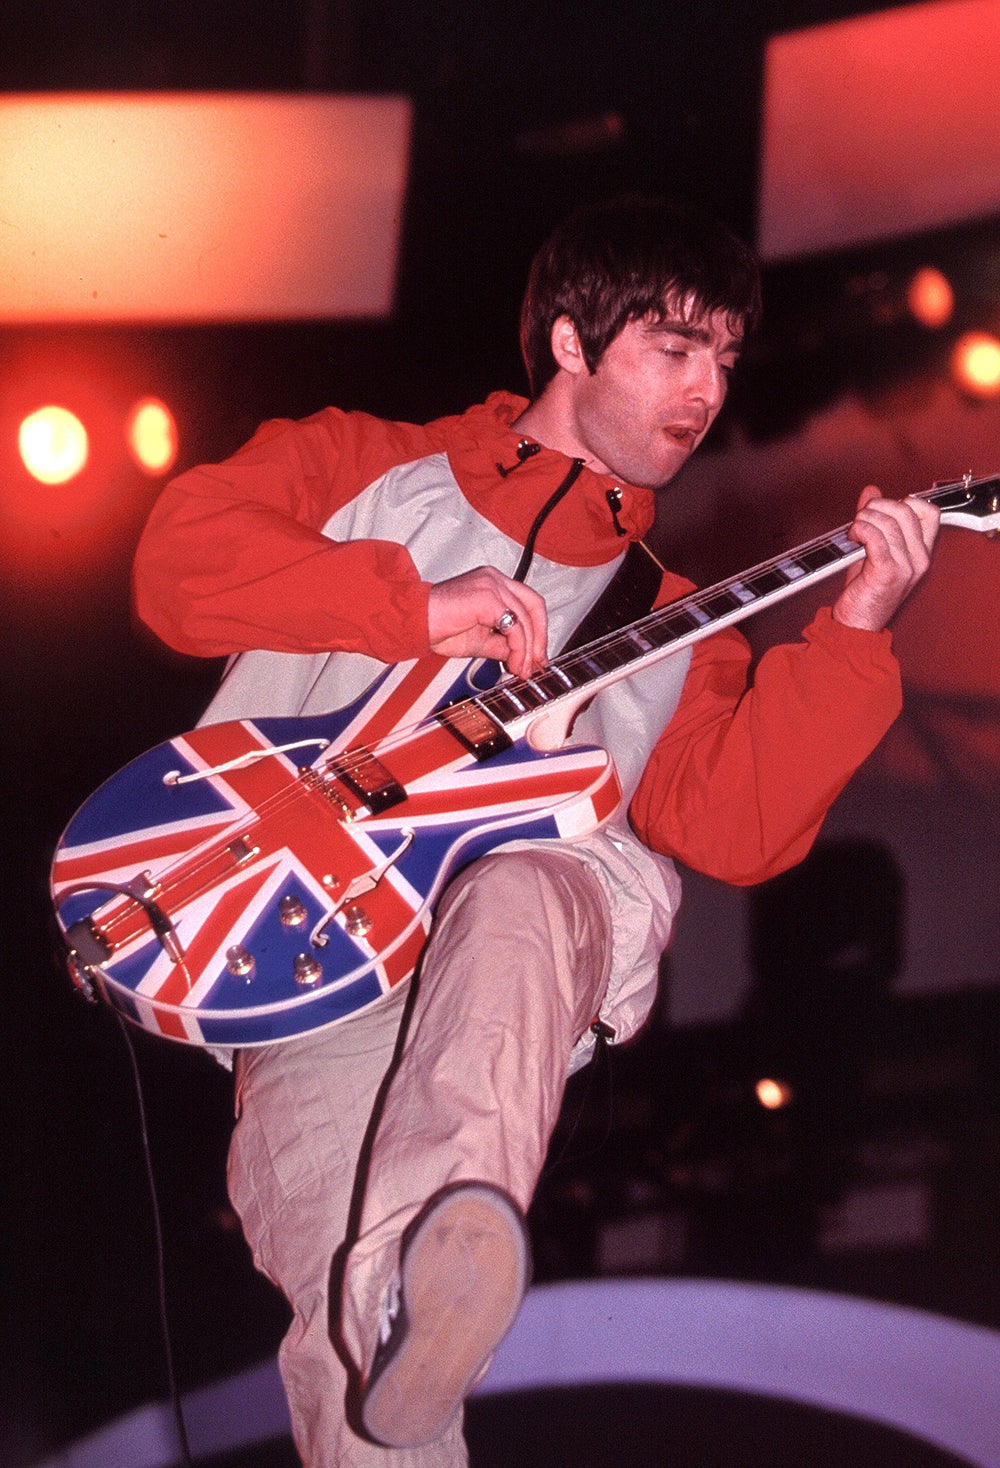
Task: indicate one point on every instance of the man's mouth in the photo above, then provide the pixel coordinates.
(685, 434)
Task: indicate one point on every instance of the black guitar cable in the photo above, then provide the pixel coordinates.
(161, 1273)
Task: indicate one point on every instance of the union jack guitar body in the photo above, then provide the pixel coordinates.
(294, 884)
(255, 880)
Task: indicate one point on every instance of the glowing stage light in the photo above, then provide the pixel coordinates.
(53, 445)
(773, 1095)
(151, 435)
(975, 364)
(930, 297)
(131, 207)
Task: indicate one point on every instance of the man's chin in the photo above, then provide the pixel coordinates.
(670, 464)
(657, 469)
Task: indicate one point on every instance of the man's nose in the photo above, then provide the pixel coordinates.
(711, 384)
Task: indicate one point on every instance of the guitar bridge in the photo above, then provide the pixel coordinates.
(90, 946)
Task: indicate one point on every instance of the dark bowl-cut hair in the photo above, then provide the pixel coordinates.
(627, 260)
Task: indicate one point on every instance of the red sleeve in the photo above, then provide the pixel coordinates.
(232, 557)
(740, 780)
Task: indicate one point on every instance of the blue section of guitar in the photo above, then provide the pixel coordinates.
(324, 1007)
(139, 795)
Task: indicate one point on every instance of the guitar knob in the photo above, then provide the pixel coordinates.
(308, 971)
(240, 962)
(291, 912)
(356, 921)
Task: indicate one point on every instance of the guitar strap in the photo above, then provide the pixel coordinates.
(629, 594)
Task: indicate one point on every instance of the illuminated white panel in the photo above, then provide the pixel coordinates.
(199, 207)
(918, 1373)
(880, 127)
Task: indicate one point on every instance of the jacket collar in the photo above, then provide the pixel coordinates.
(581, 530)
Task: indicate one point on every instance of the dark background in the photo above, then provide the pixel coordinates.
(84, 690)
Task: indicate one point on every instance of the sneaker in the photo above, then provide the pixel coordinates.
(464, 1266)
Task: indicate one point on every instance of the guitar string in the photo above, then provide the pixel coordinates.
(697, 600)
(354, 759)
(579, 657)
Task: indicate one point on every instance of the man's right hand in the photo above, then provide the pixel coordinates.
(464, 612)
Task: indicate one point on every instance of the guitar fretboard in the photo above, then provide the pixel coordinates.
(973, 503)
(668, 629)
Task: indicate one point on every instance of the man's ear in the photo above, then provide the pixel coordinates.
(567, 350)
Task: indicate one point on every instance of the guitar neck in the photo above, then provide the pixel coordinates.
(572, 678)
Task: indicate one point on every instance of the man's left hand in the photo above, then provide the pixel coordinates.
(898, 537)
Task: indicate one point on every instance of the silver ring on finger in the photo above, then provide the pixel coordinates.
(505, 621)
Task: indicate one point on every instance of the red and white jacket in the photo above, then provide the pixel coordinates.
(309, 555)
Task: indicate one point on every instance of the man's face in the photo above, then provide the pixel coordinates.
(655, 394)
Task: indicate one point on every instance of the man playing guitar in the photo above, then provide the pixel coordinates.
(382, 1165)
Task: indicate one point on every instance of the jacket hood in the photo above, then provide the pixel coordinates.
(581, 530)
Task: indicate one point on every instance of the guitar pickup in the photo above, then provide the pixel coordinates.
(368, 779)
(474, 729)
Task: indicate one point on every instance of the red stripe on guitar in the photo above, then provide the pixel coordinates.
(401, 964)
(482, 796)
(607, 797)
(216, 744)
(302, 834)
(170, 1025)
(255, 783)
(429, 750)
(210, 937)
(396, 705)
(116, 858)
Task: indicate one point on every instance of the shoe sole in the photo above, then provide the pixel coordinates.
(464, 1271)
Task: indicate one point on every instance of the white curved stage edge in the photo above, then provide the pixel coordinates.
(935, 1378)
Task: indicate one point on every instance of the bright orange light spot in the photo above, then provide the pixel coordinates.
(773, 1095)
(930, 297)
(53, 444)
(975, 364)
(151, 435)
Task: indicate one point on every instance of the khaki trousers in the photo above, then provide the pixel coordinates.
(343, 1135)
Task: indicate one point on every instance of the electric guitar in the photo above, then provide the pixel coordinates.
(254, 880)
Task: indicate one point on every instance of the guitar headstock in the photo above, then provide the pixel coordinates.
(972, 503)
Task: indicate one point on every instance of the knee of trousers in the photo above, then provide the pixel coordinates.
(518, 917)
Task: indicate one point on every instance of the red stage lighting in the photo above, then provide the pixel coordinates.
(930, 297)
(54, 445)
